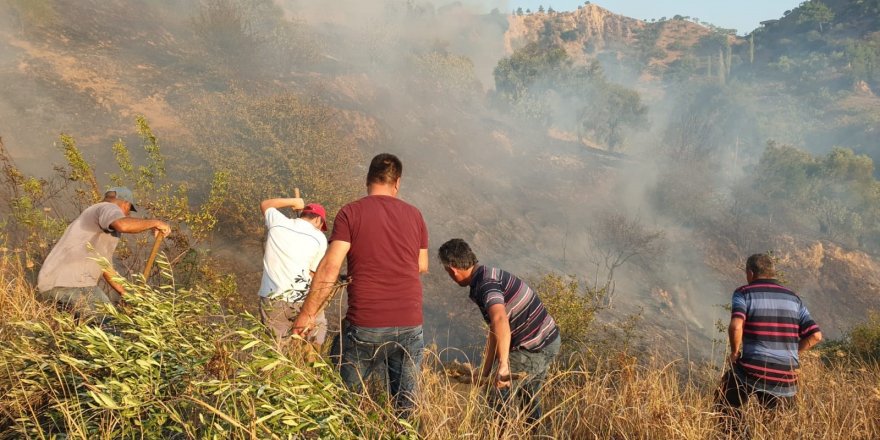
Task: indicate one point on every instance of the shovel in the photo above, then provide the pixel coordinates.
(155, 251)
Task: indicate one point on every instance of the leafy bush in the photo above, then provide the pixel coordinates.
(863, 340)
(171, 365)
(571, 306)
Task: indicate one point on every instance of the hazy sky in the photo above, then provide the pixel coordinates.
(742, 15)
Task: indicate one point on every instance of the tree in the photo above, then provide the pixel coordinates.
(618, 239)
(516, 74)
(814, 11)
(613, 110)
(519, 11)
(541, 9)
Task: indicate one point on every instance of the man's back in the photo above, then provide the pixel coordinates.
(531, 326)
(70, 263)
(775, 320)
(293, 248)
(386, 235)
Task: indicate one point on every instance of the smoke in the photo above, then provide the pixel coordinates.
(416, 79)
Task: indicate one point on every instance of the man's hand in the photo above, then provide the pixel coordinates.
(733, 358)
(161, 228)
(302, 325)
(502, 376)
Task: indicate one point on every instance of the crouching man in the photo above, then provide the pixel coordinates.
(70, 275)
(523, 337)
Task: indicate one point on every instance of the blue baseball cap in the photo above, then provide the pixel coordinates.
(123, 193)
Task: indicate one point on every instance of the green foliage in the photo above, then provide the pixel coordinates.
(269, 145)
(39, 210)
(80, 172)
(569, 35)
(814, 11)
(863, 340)
(445, 75)
(571, 305)
(838, 191)
(541, 83)
(515, 75)
(171, 365)
(864, 59)
(244, 39)
(155, 168)
(615, 110)
(123, 161)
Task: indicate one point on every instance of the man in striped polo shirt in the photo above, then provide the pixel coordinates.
(523, 337)
(769, 327)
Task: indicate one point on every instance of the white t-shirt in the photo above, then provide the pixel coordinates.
(293, 248)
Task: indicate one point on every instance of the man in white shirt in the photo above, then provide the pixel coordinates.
(294, 247)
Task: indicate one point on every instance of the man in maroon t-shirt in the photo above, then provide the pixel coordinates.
(386, 242)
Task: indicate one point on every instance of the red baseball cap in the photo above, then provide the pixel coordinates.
(317, 209)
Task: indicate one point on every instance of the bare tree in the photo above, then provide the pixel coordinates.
(618, 239)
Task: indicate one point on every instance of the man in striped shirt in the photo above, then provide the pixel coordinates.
(769, 327)
(523, 337)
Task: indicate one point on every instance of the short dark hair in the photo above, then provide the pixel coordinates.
(384, 168)
(761, 265)
(456, 253)
(310, 215)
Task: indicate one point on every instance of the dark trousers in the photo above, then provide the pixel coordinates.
(359, 351)
(734, 393)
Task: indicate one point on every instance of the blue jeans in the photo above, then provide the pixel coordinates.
(524, 395)
(398, 349)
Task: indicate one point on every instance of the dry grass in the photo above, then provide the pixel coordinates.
(619, 398)
(657, 402)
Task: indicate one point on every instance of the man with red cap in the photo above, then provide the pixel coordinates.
(294, 247)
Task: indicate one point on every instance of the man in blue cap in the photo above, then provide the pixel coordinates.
(70, 275)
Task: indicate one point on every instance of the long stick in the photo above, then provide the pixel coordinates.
(153, 253)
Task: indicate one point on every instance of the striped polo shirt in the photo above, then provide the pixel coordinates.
(531, 327)
(775, 320)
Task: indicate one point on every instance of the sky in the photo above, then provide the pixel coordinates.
(742, 15)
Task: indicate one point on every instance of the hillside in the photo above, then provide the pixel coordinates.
(302, 96)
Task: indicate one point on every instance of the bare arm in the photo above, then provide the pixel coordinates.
(488, 356)
(499, 329)
(108, 275)
(809, 342)
(322, 285)
(423, 261)
(129, 225)
(294, 202)
(735, 336)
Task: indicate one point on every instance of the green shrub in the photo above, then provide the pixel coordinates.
(572, 306)
(171, 365)
(863, 340)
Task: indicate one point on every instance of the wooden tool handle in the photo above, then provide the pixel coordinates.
(153, 253)
(296, 194)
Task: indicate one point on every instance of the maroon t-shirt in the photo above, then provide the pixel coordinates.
(386, 235)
